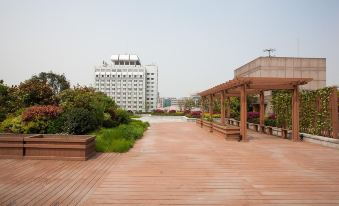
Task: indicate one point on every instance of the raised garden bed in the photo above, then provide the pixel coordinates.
(12, 145)
(65, 147)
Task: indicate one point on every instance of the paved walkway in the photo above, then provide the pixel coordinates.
(181, 164)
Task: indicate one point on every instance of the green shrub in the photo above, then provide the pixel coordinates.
(78, 121)
(271, 122)
(12, 124)
(216, 115)
(35, 127)
(108, 122)
(120, 116)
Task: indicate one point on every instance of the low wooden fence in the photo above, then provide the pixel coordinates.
(66, 147)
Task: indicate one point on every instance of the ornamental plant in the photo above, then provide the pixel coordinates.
(41, 112)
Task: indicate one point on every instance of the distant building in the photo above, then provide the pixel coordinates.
(133, 86)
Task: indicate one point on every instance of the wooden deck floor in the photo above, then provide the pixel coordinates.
(50, 182)
(181, 164)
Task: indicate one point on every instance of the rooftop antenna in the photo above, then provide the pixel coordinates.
(269, 51)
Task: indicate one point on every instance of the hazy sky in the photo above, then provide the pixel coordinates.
(196, 44)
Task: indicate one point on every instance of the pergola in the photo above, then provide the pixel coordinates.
(242, 86)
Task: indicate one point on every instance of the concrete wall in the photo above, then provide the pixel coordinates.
(287, 67)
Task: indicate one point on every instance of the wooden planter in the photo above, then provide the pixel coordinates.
(12, 145)
(65, 147)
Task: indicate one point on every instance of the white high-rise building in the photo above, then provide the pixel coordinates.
(133, 86)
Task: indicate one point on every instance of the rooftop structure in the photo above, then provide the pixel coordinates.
(287, 67)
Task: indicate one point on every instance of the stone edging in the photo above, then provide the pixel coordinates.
(326, 141)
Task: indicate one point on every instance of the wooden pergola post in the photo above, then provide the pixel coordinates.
(222, 105)
(210, 105)
(211, 111)
(228, 107)
(334, 112)
(243, 113)
(262, 111)
(295, 114)
(202, 110)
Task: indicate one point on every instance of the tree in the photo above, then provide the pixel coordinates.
(4, 100)
(83, 97)
(35, 92)
(57, 82)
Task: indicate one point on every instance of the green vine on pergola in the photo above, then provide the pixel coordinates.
(314, 107)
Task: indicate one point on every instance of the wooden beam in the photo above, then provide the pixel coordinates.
(222, 105)
(270, 86)
(334, 113)
(243, 114)
(295, 114)
(262, 109)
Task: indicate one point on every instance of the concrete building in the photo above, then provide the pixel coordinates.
(292, 67)
(133, 86)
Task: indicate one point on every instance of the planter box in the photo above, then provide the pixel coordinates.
(60, 147)
(12, 145)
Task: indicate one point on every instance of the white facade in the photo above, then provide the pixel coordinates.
(132, 86)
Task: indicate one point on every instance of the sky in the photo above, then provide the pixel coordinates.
(196, 44)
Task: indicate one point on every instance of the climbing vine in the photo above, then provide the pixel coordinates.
(282, 107)
(314, 110)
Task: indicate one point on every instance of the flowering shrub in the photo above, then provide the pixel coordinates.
(41, 112)
(252, 115)
(172, 111)
(272, 116)
(159, 111)
(195, 114)
(187, 111)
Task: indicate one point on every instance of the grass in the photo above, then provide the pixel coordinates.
(135, 116)
(121, 138)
